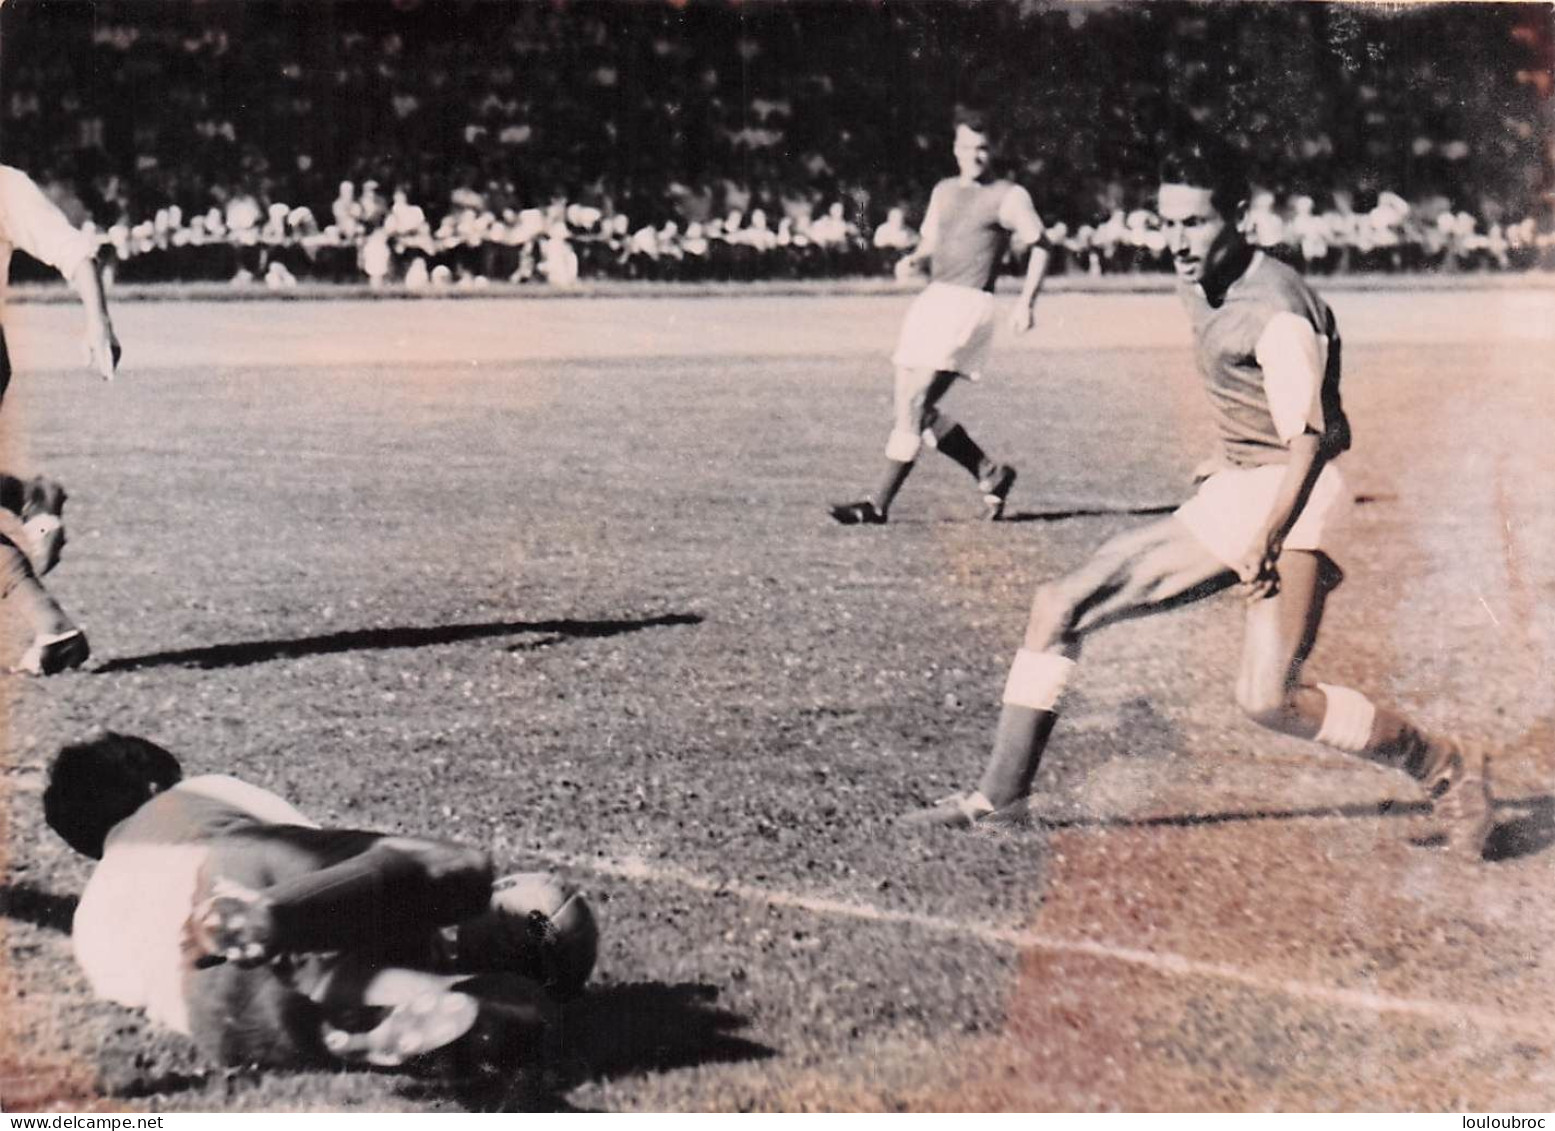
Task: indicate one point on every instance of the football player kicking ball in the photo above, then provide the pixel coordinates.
(230, 917)
(970, 224)
(1268, 351)
(30, 221)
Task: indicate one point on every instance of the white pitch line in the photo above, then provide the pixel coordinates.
(1443, 1012)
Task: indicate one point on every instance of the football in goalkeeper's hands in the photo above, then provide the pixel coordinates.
(537, 925)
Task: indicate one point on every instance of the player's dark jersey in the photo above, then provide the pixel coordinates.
(971, 240)
(1226, 339)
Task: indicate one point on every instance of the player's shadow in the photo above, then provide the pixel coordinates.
(1530, 833)
(1368, 811)
(614, 1031)
(1086, 512)
(1153, 510)
(22, 903)
(243, 653)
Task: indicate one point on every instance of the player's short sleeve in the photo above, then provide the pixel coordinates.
(258, 803)
(31, 221)
(1293, 357)
(929, 229)
(1019, 216)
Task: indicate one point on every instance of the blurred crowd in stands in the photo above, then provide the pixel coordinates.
(367, 238)
(433, 142)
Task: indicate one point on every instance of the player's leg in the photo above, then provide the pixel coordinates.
(5, 365)
(315, 1009)
(916, 391)
(994, 479)
(414, 1012)
(40, 503)
(1135, 574)
(57, 643)
(356, 913)
(1270, 689)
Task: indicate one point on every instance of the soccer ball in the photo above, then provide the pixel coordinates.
(538, 926)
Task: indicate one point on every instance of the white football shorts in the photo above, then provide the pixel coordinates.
(1230, 507)
(948, 328)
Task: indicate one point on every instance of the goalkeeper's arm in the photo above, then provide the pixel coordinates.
(392, 888)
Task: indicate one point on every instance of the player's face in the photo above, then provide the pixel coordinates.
(973, 153)
(1197, 235)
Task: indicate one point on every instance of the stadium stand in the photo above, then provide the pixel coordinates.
(417, 142)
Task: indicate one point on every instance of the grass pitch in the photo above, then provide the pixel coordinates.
(557, 577)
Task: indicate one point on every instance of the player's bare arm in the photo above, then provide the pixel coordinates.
(102, 344)
(1019, 216)
(1292, 359)
(916, 261)
(1259, 570)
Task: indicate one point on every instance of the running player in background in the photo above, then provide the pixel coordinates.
(31, 222)
(972, 220)
(1268, 351)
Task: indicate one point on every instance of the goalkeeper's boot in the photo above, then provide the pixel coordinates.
(428, 1022)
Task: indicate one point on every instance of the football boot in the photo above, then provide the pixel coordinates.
(995, 487)
(1461, 804)
(52, 653)
(862, 513)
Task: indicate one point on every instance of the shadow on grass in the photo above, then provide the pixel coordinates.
(22, 903)
(240, 654)
(1526, 835)
(610, 1032)
(1086, 512)
(1141, 511)
(1237, 816)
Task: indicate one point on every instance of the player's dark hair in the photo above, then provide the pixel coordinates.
(980, 119)
(1209, 165)
(93, 785)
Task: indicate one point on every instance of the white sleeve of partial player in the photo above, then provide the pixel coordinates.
(32, 222)
(1019, 215)
(1293, 357)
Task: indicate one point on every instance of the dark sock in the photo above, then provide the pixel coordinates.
(1403, 746)
(953, 441)
(1017, 752)
(896, 473)
(13, 493)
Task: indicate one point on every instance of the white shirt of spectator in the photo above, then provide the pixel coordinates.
(31, 221)
(559, 261)
(1268, 230)
(894, 234)
(832, 229)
